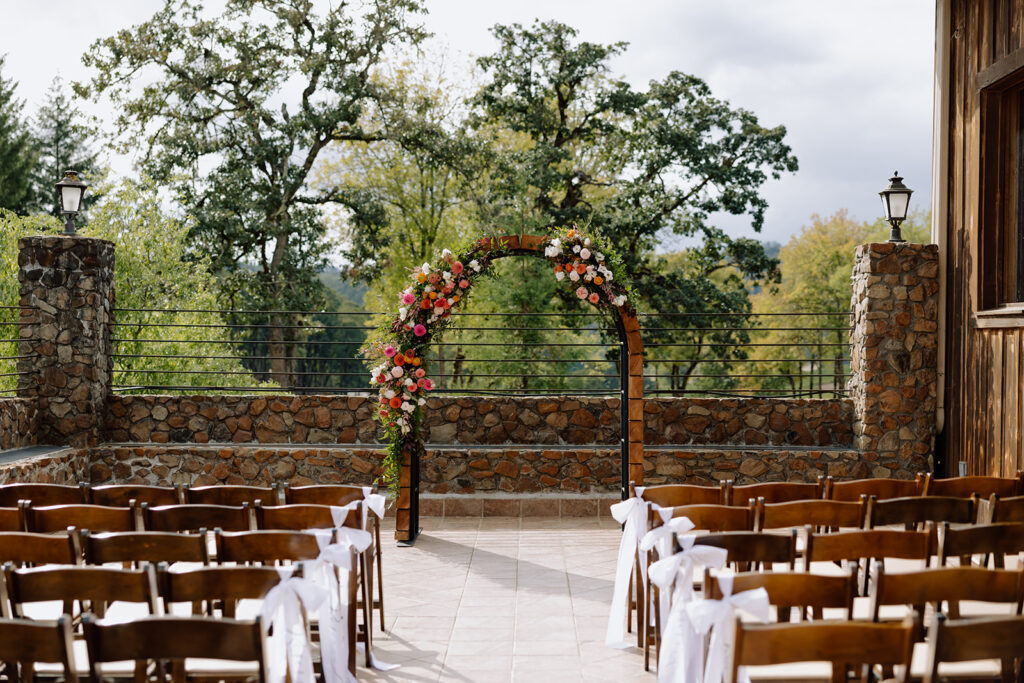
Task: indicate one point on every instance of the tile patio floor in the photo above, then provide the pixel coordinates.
(502, 599)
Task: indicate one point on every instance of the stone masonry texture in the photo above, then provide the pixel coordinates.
(893, 346)
(17, 423)
(67, 295)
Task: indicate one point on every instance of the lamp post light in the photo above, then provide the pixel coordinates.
(71, 190)
(895, 201)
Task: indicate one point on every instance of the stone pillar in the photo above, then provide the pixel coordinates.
(893, 356)
(67, 291)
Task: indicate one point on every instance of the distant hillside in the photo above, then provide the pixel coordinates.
(353, 293)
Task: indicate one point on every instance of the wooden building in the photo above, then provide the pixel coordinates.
(978, 214)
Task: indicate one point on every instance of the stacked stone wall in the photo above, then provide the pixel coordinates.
(551, 420)
(64, 466)
(18, 422)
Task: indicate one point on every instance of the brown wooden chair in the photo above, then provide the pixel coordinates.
(847, 645)
(711, 517)
(943, 588)
(853, 489)
(975, 639)
(42, 494)
(94, 588)
(832, 514)
(232, 495)
(913, 512)
(340, 495)
(754, 549)
(121, 495)
(144, 546)
(22, 548)
(13, 518)
(965, 487)
(24, 643)
(197, 517)
(856, 549)
(983, 540)
(774, 491)
(181, 641)
(56, 518)
(810, 594)
(301, 517)
(216, 591)
(674, 495)
(997, 510)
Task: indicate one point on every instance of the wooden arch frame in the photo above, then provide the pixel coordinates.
(631, 407)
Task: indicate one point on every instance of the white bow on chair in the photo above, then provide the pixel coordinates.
(718, 616)
(661, 538)
(373, 502)
(633, 514)
(288, 646)
(681, 650)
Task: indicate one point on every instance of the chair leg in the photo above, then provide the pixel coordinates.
(641, 608)
(366, 600)
(380, 572)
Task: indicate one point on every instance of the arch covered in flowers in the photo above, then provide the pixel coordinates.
(397, 353)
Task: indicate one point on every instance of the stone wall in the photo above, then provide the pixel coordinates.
(893, 380)
(17, 423)
(477, 421)
(67, 297)
(64, 466)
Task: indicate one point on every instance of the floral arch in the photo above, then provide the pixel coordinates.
(396, 354)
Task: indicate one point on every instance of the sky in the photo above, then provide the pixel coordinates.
(851, 81)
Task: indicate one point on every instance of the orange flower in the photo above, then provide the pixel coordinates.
(399, 360)
(409, 359)
(571, 234)
(581, 269)
(558, 267)
(420, 277)
(432, 295)
(456, 298)
(598, 279)
(395, 402)
(425, 303)
(416, 362)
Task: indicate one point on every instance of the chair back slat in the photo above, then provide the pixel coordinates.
(973, 639)
(12, 519)
(41, 494)
(321, 494)
(81, 516)
(787, 589)
(853, 489)
(674, 495)
(231, 495)
(775, 491)
(919, 509)
(981, 486)
(224, 586)
(983, 539)
(298, 517)
(98, 585)
(22, 548)
(751, 547)
(817, 513)
(869, 543)
(999, 509)
(28, 642)
(943, 585)
(266, 547)
(120, 495)
(175, 638)
(144, 546)
(197, 517)
(711, 517)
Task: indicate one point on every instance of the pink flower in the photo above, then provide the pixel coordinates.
(457, 267)
(397, 371)
(463, 283)
(428, 385)
(420, 372)
(408, 298)
(594, 298)
(419, 330)
(389, 351)
(411, 387)
(582, 292)
(421, 382)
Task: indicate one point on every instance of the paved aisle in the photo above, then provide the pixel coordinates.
(502, 599)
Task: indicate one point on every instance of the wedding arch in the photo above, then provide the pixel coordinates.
(397, 352)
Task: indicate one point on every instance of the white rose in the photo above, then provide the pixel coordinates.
(428, 288)
(389, 394)
(425, 268)
(574, 276)
(408, 407)
(584, 254)
(619, 300)
(397, 371)
(475, 265)
(576, 248)
(556, 242)
(587, 241)
(402, 312)
(446, 275)
(445, 254)
(600, 256)
(559, 275)
(422, 401)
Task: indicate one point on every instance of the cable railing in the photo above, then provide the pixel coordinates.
(10, 326)
(782, 355)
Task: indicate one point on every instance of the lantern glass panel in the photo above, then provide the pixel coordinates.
(71, 198)
(898, 202)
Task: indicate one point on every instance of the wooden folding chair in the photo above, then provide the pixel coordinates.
(197, 517)
(23, 548)
(340, 495)
(970, 640)
(121, 495)
(944, 588)
(774, 491)
(232, 495)
(997, 510)
(808, 594)
(44, 520)
(181, 641)
(94, 588)
(851, 490)
(831, 514)
(674, 495)
(42, 495)
(754, 549)
(965, 487)
(846, 645)
(216, 591)
(12, 519)
(144, 546)
(856, 549)
(913, 512)
(24, 643)
(997, 540)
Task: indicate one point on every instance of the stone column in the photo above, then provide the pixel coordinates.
(893, 356)
(67, 291)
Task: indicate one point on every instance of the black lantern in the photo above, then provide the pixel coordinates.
(71, 190)
(895, 202)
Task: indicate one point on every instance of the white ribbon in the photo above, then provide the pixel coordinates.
(660, 538)
(633, 514)
(719, 616)
(373, 502)
(288, 646)
(681, 650)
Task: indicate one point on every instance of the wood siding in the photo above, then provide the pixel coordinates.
(984, 381)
